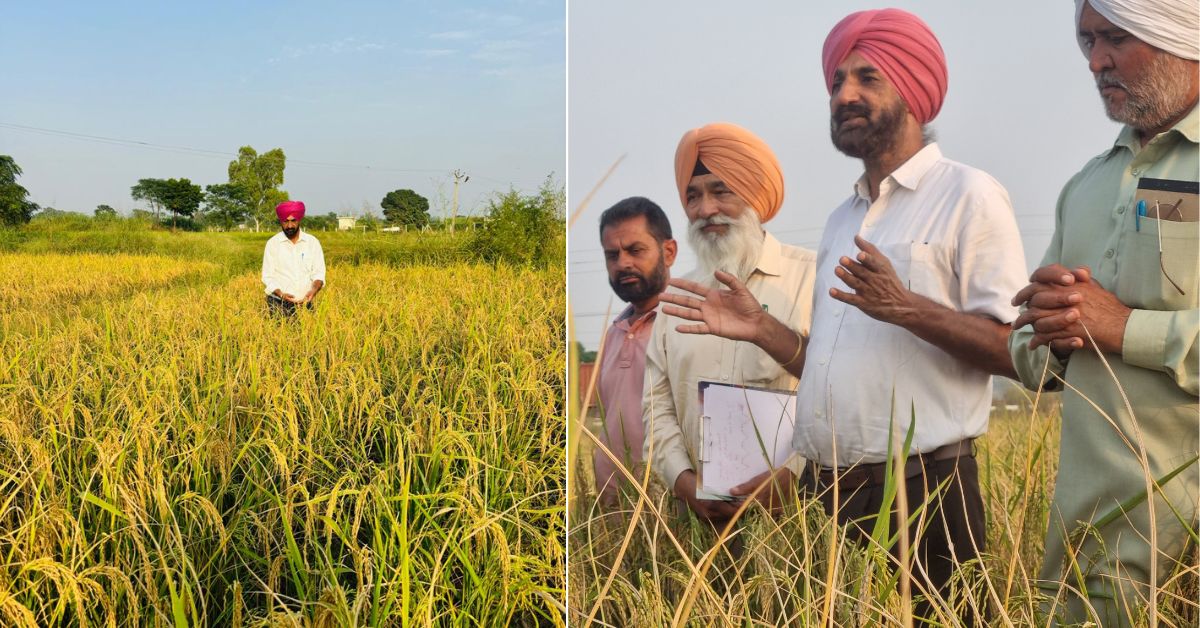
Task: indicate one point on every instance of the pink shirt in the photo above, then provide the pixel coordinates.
(622, 370)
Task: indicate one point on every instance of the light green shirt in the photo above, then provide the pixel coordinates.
(1095, 225)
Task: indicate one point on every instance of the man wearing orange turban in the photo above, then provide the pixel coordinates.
(293, 268)
(911, 303)
(729, 185)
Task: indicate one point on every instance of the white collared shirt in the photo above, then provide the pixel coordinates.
(950, 233)
(290, 267)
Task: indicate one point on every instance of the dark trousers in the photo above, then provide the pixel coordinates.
(954, 521)
(277, 306)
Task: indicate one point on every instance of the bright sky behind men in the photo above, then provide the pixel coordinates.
(1021, 105)
(374, 96)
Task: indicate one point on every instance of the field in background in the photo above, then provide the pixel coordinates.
(170, 456)
(800, 570)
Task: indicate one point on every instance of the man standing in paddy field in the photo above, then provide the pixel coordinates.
(729, 184)
(293, 268)
(638, 253)
(930, 252)
(1113, 313)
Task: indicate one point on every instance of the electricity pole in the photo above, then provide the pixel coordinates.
(459, 177)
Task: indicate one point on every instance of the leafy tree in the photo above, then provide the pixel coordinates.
(179, 196)
(259, 176)
(405, 207)
(151, 191)
(524, 229)
(227, 203)
(15, 206)
(105, 212)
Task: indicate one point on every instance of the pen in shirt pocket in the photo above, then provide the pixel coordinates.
(1137, 219)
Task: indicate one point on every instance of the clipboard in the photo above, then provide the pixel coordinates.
(744, 431)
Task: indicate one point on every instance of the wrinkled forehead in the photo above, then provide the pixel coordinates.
(706, 182)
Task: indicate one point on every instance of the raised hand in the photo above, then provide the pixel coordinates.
(878, 291)
(732, 313)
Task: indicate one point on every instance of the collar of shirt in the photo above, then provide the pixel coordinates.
(626, 320)
(770, 260)
(1188, 127)
(908, 175)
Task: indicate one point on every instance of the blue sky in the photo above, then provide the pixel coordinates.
(404, 92)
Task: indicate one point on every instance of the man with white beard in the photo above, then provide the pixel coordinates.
(729, 183)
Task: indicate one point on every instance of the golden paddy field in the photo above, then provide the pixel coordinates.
(170, 456)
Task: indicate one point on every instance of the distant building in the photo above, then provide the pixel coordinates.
(347, 223)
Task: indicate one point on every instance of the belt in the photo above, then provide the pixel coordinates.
(874, 473)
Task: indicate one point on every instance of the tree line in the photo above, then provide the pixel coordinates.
(248, 197)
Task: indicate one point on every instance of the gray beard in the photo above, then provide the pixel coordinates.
(1156, 97)
(735, 252)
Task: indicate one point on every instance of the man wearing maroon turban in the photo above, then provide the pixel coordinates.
(911, 306)
(729, 184)
(293, 267)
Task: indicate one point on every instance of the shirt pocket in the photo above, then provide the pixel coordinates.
(930, 274)
(1142, 282)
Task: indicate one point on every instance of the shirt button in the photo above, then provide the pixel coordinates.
(725, 377)
(1108, 253)
(837, 313)
(1135, 172)
(821, 361)
(629, 336)
(818, 414)
(1121, 209)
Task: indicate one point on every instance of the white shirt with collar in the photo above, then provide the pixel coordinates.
(290, 267)
(950, 233)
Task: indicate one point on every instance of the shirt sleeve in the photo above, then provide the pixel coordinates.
(269, 276)
(991, 258)
(1037, 368)
(1164, 341)
(664, 446)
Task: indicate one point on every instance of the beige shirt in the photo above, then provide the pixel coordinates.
(676, 363)
(951, 236)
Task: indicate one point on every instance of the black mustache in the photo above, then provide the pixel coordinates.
(845, 112)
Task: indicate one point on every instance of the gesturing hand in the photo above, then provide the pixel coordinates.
(878, 291)
(734, 313)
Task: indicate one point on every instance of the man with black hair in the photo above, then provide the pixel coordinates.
(638, 253)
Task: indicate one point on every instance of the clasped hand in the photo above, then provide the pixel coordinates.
(1065, 306)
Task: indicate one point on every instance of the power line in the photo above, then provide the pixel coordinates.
(204, 152)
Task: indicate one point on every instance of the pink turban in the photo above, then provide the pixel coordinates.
(739, 158)
(290, 208)
(900, 46)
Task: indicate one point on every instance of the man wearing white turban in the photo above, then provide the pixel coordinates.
(1113, 313)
